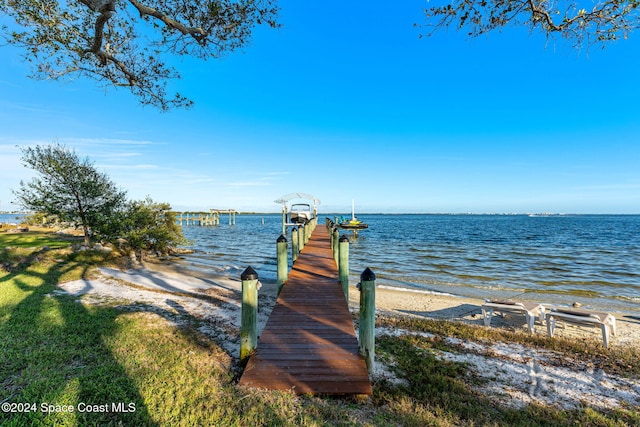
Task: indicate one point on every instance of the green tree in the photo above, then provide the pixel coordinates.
(579, 21)
(69, 187)
(148, 226)
(126, 42)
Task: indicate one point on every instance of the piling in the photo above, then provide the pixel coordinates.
(249, 319)
(343, 264)
(283, 261)
(367, 331)
(294, 245)
(301, 242)
(334, 243)
(308, 230)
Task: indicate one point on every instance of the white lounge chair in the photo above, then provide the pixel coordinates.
(604, 321)
(531, 310)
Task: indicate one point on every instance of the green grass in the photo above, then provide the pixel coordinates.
(55, 351)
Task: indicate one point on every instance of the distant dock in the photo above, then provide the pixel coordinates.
(205, 219)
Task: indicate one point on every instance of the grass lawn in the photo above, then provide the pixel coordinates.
(63, 363)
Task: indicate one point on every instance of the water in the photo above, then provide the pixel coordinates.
(11, 218)
(594, 260)
(229, 249)
(560, 259)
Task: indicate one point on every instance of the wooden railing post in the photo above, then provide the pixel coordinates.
(307, 231)
(294, 244)
(249, 319)
(301, 241)
(284, 219)
(334, 243)
(367, 332)
(343, 264)
(283, 261)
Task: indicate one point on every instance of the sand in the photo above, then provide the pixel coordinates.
(515, 375)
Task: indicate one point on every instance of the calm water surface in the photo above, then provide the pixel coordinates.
(592, 259)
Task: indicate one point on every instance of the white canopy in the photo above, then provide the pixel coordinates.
(291, 196)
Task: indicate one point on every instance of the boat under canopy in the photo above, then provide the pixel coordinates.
(297, 213)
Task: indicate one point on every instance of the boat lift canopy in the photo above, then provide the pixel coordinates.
(291, 196)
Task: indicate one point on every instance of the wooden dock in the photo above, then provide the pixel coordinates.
(309, 343)
(205, 219)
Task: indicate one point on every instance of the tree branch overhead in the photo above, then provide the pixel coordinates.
(106, 40)
(605, 21)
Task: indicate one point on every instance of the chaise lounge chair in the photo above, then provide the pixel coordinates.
(604, 321)
(530, 309)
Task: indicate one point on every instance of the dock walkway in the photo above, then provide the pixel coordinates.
(309, 343)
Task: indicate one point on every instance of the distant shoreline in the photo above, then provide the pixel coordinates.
(320, 215)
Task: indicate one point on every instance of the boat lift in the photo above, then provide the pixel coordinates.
(285, 209)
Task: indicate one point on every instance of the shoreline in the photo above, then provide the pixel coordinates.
(211, 303)
(428, 304)
(468, 310)
(626, 306)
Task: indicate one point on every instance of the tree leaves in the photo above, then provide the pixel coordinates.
(69, 187)
(107, 40)
(605, 21)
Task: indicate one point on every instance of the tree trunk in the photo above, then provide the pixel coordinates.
(87, 237)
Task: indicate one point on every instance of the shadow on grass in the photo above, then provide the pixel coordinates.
(56, 359)
(61, 354)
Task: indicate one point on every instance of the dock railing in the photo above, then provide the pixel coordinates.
(340, 247)
(309, 343)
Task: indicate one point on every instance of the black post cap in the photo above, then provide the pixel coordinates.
(367, 275)
(249, 274)
(281, 239)
(343, 238)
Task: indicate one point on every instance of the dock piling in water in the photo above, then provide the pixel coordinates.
(334, 243)
(211, 218)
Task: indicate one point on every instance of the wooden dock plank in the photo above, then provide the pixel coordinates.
(309, 343)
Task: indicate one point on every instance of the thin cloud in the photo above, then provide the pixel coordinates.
(131, 167)
(261, 183)
(108, 141)
(118, 155)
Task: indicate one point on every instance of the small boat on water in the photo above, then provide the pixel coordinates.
(352, 223)
(300, 213)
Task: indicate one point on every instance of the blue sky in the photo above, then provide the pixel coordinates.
(344, 102)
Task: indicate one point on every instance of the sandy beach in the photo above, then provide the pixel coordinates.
(516, 375)
(468, 310)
